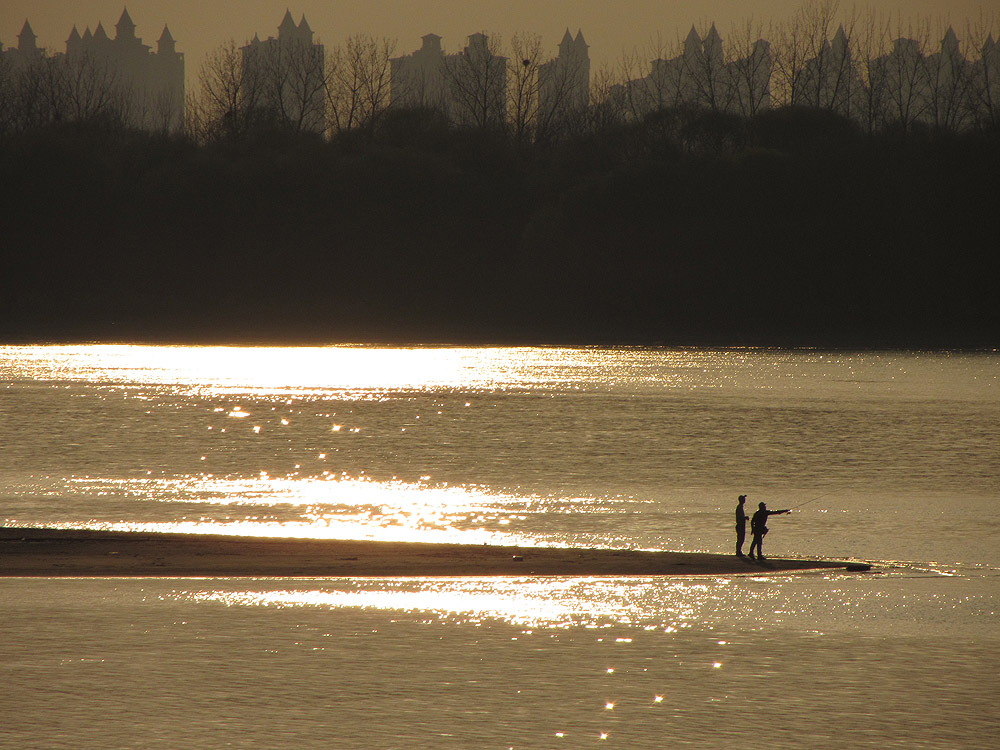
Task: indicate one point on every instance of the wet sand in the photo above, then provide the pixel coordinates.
(61, 552)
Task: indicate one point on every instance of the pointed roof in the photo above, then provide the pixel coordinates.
(26, 31)
(692, 44)
(166, 44)
(287, 24)
(580, 41)
(74, 36)
(841, 47)
(566, 45)
(99, 33)
(950, 41)
(88, 35)
(713, 43)
(125, 27)
(304, 25)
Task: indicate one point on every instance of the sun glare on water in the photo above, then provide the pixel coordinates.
(285, 370)
(332, 507)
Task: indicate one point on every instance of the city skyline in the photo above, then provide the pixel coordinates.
(611, 29)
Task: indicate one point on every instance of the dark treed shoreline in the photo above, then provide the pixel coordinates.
(792, 228)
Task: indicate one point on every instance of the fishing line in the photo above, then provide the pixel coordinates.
(818, 497)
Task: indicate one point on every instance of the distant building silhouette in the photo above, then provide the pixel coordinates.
(470, 86)
(418, 79)
(830, 80)
(986, 84)
(942, 89)
(564, 82)
(100, 76)
(701, 77)
(152, 82)
(27, 49)
(476, 80)
(283, 80)
(288, 76)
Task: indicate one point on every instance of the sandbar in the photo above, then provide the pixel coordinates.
(71, 552)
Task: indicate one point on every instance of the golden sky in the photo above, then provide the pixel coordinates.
(611, 27)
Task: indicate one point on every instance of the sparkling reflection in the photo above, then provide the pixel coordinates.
(532, 603)
(349, 371)
(840, 601)
(329, 507)
(525, 602)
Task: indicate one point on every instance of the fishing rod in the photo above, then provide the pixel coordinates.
(818, 497)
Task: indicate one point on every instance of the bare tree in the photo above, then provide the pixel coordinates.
(869, 46)
(563, 89)
(88, 87)
(292, 80)
(31, 100)
(906, 77)
(358, 81)
(230, 97)
(661, 87)
(791, 52)
(707, 72)
(302, 93)
(983, 100)
(750, 64)
(821, 72)
(163, 112)
(639, 91)
(477, 83)
(948, 84)
(523, 83)
(608, 101)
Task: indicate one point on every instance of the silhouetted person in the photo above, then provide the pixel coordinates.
(741, 525)
(758, 527)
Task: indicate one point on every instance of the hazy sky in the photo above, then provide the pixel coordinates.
(610, 26)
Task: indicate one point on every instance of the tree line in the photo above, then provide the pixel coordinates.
(681, 224)
(794, 227)
(875, 70)
(879, 71)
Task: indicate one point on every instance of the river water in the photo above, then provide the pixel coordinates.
(888, 457)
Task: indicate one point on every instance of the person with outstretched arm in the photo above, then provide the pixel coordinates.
(758, 527)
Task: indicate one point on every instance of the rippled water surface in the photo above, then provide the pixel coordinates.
(887, 457)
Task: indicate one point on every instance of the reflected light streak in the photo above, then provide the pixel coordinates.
(536, 603)
(339, 507)
(294, 370)
(357, 372)
(371, 372)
